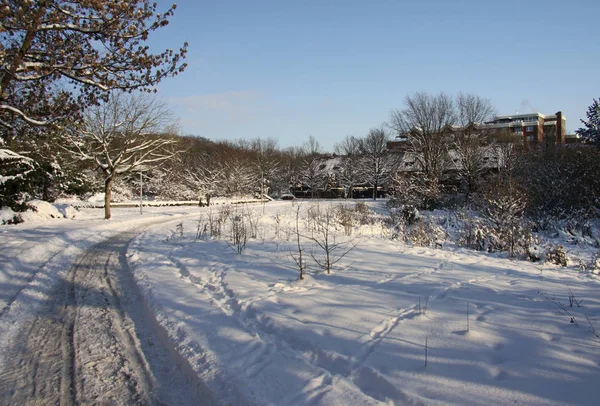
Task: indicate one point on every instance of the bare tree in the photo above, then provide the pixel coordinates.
(311, 174)
(312, 146)
(57, 56)
(239, 232)
(202, 172)
(267, 162)
(475, 152)
(239, 177)
(333, 251)
(423, 121)
(378, 162)
(473, 109)
(349, 150)
(475, 155)
(298, 256)
(121, 135)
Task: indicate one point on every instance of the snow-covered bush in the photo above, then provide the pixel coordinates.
(201, 230)
(8, 216)
(345, 218)
(37, 210)
(253, 218)
(534, 252)
(16, 177)
(348, 216)
(395, 224)
(238, 232)
(407, 224)
(425, 232)
(216, 220)
(561, 182)
(363, 214)
(121, 191)
(472, 231)
(502, 205)
(557, 255)
(417, 191)
(400, 219)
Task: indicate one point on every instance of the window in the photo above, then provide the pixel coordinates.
(530, 129)
(517, 130)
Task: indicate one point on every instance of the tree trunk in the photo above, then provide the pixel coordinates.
(107, 183)
(375, 191)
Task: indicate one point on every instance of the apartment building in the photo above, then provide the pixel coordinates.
(531, 128)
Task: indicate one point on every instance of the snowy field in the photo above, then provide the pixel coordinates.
(391, 324)
(358, 336)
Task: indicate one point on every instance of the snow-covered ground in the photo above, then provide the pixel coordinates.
(358, 336)
(492, 330)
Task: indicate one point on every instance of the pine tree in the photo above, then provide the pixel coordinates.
(591, 132)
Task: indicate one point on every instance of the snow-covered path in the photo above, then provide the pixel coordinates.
(94, 341)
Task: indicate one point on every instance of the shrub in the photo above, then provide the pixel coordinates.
(363, 214)
(417, 191)
(426, 233)
(502, 204)
(345, 218)
(557, 255)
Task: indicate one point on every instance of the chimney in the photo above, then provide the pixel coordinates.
(560, 131)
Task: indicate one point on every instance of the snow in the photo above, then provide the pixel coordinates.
(257, 335)
(6, 215)
(357, 336)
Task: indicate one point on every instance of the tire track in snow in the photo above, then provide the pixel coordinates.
(95, 342)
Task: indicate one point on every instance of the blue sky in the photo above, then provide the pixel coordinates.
(291, 69)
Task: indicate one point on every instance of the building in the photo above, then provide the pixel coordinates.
(531, 128)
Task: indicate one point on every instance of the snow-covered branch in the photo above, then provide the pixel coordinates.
(28, 119)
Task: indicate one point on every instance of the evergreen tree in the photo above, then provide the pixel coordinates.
(591, 132)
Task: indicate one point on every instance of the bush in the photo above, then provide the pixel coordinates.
(16, 179)
(502, 204)
(407, 224)
(363, 214)
(561, 182)
(425, 233)
(557, 255)
(345, 218)
(416, 191)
